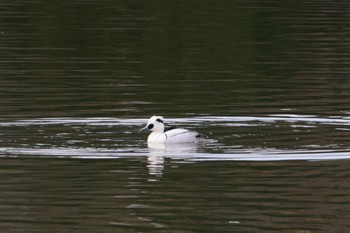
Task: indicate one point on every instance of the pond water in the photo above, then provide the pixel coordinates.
(266, 81)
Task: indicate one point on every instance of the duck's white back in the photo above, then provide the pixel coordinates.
(173, 136)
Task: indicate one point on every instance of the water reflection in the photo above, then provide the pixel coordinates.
(155, 164)
(158, 152)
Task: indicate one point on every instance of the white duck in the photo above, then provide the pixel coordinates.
(173, 135)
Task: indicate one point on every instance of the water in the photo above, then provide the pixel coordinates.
(267, 82)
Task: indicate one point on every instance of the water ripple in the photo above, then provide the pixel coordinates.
(101, 138)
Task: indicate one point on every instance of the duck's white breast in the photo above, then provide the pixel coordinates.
(156, 137)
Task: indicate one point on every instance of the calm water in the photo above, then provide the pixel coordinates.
(267, 81)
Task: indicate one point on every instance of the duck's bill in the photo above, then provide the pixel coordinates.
(144, 128)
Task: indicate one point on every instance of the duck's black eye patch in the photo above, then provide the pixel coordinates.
(159, 120)
(150, 126)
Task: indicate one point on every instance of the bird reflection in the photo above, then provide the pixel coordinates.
(158, 152)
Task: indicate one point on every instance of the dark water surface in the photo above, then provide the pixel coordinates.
(267, 81)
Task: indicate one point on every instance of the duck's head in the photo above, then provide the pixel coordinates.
(155, 124)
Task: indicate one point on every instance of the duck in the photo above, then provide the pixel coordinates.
(163, 135)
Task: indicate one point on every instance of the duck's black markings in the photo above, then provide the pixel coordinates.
(180, 133)
(201, 136)
(169, 128)
(159, 120)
